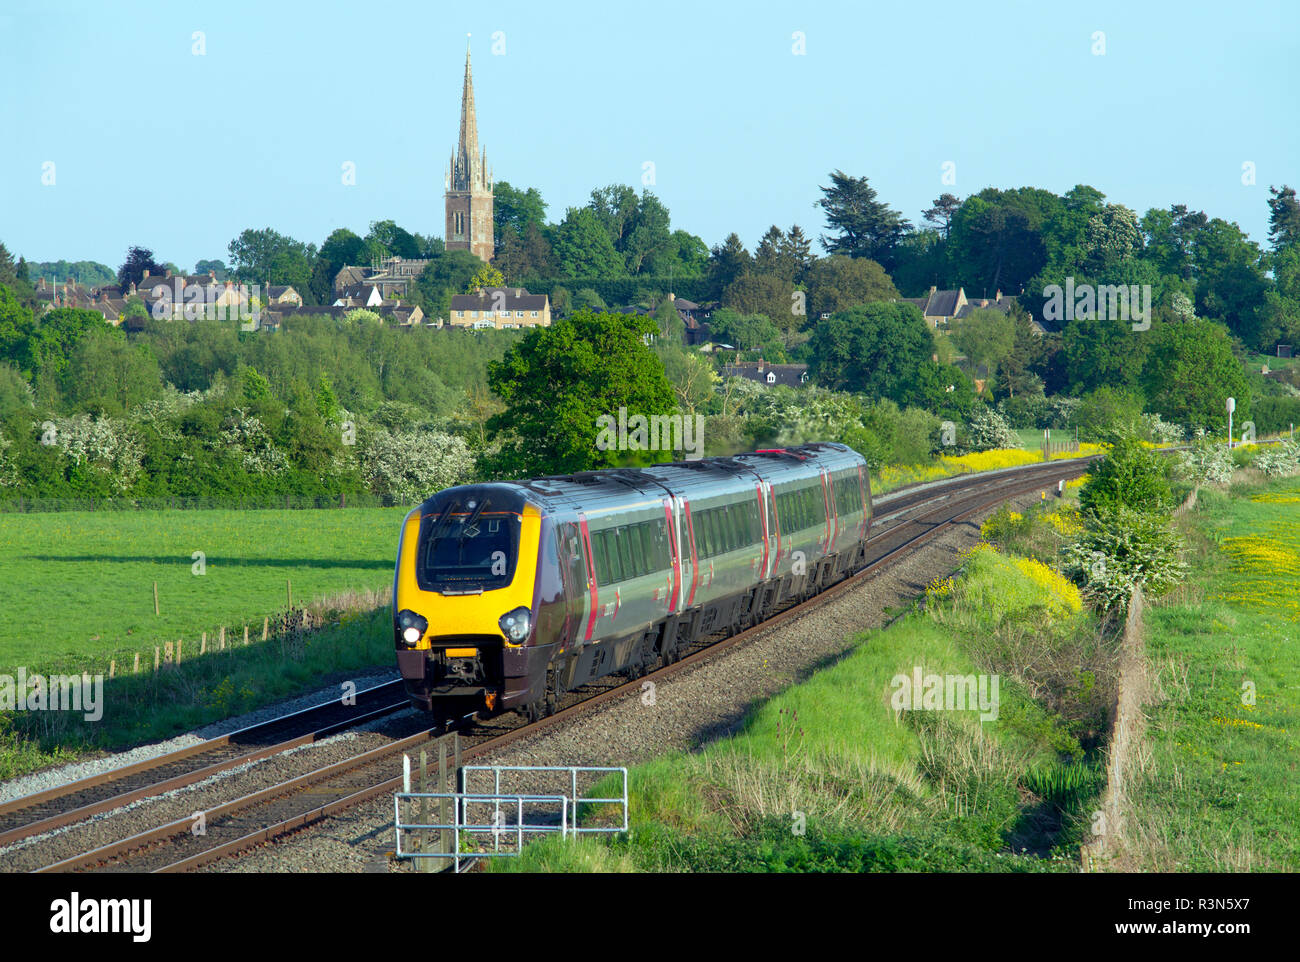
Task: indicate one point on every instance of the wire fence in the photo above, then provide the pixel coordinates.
(23, 505)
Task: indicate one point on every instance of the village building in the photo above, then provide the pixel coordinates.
(500, 307)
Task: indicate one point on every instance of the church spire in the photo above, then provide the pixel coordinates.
(469, 162)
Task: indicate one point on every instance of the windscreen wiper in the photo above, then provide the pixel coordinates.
(436, 530)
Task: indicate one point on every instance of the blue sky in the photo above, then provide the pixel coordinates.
(156, 146)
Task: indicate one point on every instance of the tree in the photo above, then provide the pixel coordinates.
(397, 241)
(559, 380)
(486, 276)
(107, 376)
(1103, 353)
(648, 237)
(878, 349)
(766, 295)
(997, 238)
(442, 277)
(513, 210)
(138, 260)
(864, 226)
(583, 247)
(727, 262)
(986, 337)
(837, 283)
(269, 257)
(614, 208)
(1191, 371)
(748, 332)
(771, 256)
(1283, 217)
(1113, 237)
(940, 215)
(215, 266)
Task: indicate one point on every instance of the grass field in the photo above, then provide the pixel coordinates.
(77, 587)
(1221, 788)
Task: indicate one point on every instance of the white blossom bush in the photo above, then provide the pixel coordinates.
(105, 443)
(1120, 549)
(248, 436)
(1207, 462)
(409, 466)
(1279, 460)
(362, 316)
(1159, 431)
(988, 430)
(8, 470)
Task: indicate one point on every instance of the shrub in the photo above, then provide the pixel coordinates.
(1120, 549)
(1207, 462)
(1279, 460)
(989, 430)
(1132, 476)
(412, 465)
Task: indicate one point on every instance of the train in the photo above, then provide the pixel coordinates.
(506, 595)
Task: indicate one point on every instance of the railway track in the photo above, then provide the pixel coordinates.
(76, 801)
(905, 520)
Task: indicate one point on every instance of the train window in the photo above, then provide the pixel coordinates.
(712, 545)
(663, 556)
(623, 539)
(600, 556)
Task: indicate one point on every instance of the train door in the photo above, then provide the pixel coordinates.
(573, 573)
(587, 571)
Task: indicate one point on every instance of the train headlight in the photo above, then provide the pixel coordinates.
(411, 626)
(516, 625)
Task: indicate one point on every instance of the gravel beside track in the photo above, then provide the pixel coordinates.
(700, 705)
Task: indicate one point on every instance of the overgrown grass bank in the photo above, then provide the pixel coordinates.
(1219, 789)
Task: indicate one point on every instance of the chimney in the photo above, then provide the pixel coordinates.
(933, 288)
(168, 274)
(760, 365)
(42, 287)
(146, 274)
(519, 292)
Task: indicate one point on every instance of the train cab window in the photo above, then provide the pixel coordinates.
(455, 556)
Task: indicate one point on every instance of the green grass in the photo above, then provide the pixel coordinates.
(178, 698)
(1221, 791)
(78, 586)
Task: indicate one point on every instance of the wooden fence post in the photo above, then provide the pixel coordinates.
(179, 642)
(266, 623)
(135, 667)
(155, 599)
(157, 659)
(203, 644)
(245, 635)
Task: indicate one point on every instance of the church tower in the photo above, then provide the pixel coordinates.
(469, 184)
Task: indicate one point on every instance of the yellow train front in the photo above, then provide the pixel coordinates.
(465, 594)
